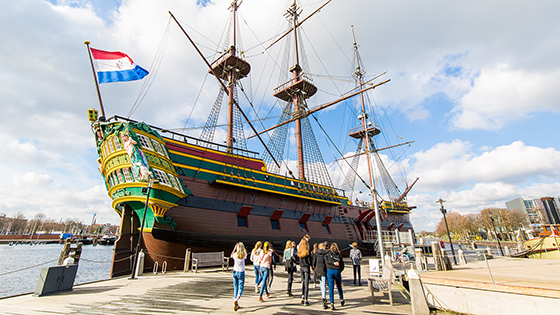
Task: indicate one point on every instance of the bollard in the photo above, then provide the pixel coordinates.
(140, 265)
(419, 259)
(462, 258)
(187, 265)
(417, 294)
(446, 260)
(489, 253)
(438, 259)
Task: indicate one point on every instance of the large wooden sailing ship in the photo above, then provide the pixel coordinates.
(207, 196)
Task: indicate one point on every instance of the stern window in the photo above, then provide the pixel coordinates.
(145, 142)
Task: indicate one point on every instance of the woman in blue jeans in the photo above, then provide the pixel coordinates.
(335, 266)
(256, 255)
(265, 262)
(239, 254)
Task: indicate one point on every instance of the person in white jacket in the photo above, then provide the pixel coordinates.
(256, 255)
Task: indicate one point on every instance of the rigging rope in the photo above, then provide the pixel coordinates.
(328, 137)
(154, 68)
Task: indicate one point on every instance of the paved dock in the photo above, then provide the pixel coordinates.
(519, 286)
(514, 275)
(209, 291)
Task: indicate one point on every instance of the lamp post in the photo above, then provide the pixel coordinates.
(443, 211)
(496, 233)
(150, 184)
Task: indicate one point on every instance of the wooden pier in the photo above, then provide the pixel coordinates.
(208, 291)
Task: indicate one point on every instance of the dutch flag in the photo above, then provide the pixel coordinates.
(115, 66)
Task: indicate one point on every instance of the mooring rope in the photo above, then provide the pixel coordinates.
(14, 271)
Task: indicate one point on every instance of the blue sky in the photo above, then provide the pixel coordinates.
(478, 98)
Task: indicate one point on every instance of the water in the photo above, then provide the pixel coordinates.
(95, 264)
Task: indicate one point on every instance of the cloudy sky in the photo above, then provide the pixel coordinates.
(472, 83)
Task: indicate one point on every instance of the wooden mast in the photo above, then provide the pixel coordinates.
(296, 70)
(231, 78)
(366, 133)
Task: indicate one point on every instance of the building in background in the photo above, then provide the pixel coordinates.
(551, 206)
(533, 207)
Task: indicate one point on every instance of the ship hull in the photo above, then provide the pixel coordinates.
(543, 248)
(207, 199)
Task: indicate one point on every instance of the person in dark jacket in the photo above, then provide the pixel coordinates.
(305, 262)
(335, 266)
(321, 271)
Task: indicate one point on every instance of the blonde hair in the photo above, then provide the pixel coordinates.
(266, 247)
(355, 245)
(321, 245)
(303, 248)
(241, 252)
(288, 244)
(315, 247)
(334, 248)
(257, 246)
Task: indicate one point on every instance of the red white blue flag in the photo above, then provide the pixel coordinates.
(115, 66)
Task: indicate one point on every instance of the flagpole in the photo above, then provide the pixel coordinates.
(95, 79)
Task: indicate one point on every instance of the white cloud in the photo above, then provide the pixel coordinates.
(452, 165)
(502, 95)
(31, 179)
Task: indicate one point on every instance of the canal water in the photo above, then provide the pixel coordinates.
(20, 265)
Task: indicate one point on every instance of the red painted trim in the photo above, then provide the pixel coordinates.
(244, 212)
(305, 217)
(362, 215)
(369, 217)
(276, 215)
(207, 154)
(327, 220)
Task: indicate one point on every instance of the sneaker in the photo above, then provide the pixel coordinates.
(267, 295)
(359, 283)
(261, 299)
(235, 306)
(306, 303)
(325, 304)
(342, 303)
(332, 306)
(302, 301)
(314, 286)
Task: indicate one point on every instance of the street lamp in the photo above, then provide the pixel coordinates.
(150, 184)
(443, 211)
(496, 233)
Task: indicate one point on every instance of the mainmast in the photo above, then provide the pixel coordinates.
(297, 89)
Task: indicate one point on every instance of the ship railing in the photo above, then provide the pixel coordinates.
(189, 139)
(282, 86)
(387, 236)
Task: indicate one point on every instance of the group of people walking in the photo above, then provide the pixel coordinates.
(324, 260)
